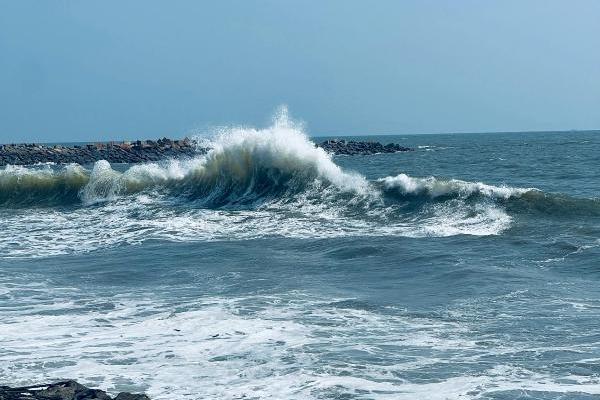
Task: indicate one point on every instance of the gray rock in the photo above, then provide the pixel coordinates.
(62, 390)
(360, 148)
(91, 394)
(149, 150)
(131, 396)
(65, 390)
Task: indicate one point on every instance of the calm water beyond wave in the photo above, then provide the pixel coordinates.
(267, 269)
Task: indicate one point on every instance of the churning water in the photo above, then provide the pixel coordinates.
(267, 268)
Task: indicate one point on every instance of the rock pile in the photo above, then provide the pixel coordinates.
(125, 152)
(66, 390)
(360, 148)
(150, 150)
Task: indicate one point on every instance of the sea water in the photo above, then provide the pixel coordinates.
(468, 268)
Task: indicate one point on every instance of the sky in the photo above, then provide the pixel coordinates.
(112, 70)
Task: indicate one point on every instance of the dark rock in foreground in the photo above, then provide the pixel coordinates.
(360, 148)
(65, 390)
(150, 150)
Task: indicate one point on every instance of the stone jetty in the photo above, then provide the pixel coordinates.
(123, 152)
(151, 150)
(351, 147)
(65, 390)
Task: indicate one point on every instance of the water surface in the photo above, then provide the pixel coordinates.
(268, 269)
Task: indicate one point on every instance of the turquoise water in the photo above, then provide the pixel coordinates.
(467, 269)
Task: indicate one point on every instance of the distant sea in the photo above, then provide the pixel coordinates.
(268, 269)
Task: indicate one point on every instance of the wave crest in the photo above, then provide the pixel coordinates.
(41, 185)
(244, 166)
(405, 185)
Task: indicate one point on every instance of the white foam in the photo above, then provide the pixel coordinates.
(292, 347)
(456, 218)
(134, 219)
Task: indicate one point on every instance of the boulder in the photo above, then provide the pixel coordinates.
(131, 396)
(64, 390)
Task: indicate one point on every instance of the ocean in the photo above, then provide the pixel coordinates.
(267, 269)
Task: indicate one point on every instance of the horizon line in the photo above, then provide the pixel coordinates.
(465, 132)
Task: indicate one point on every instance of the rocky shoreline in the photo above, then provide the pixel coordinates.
(64, 390)
(150, 150)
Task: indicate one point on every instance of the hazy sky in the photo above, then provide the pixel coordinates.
(89, 70)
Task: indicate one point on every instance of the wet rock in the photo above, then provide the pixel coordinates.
(130, 396)
(91, 394)
(65, 390)
(62, 390)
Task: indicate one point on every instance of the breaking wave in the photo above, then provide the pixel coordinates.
(435, 188)
(514, 199)
(244, 166)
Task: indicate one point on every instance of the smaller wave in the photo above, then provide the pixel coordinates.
(515, 200)
(41, 184)
(431, 187)
(557, 205)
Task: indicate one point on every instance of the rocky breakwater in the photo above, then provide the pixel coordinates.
(151, 150)
(123, 152)
(65, 390)
(351, 147)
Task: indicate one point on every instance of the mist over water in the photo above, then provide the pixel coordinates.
(268, 268)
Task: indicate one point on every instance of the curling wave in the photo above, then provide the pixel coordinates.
(41, 185)
(244, 166)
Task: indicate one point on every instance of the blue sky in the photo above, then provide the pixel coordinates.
(91, 70)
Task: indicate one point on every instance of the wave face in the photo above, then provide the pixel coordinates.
(41, 186)
(435, 188)
(253, 183)
(245, 166)
(517, 200)
(420, 276)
